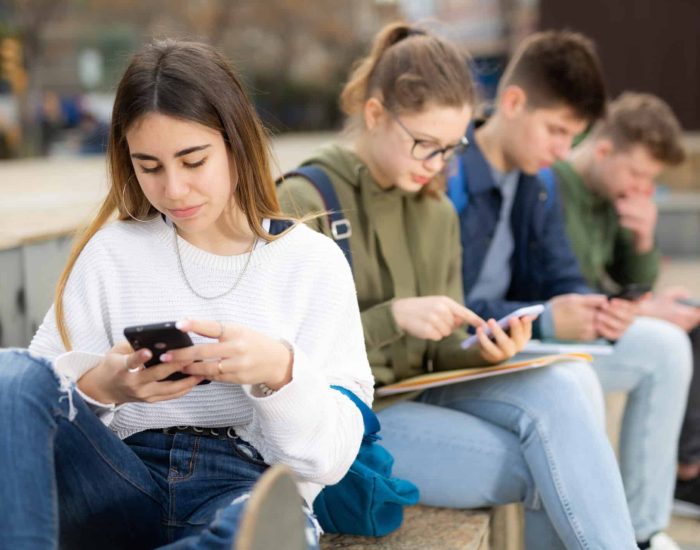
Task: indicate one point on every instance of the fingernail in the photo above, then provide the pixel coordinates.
(181, 324)
(165, 358)
(146, 354)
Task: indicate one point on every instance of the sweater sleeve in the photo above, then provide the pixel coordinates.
(307, 425)
(85, 319)
(447, 354)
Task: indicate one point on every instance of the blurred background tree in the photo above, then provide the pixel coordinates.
(293, 54)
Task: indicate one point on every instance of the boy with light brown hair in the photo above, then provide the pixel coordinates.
(611, 217)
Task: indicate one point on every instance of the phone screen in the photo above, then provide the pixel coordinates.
(529, 311)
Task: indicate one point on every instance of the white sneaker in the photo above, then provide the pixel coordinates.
(661, 541)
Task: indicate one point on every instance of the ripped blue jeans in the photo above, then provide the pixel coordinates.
(150, 490)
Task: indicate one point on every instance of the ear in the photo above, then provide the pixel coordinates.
(373, 113)
(512, 101)
(602, 149)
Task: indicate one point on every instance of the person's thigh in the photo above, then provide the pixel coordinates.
(107, 496)
(455, 459)
(209, 483)
(81, 480)
(650, 349)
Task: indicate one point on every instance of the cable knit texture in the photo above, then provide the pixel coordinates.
(298, 287)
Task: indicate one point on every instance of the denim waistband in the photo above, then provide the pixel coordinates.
(216, 433)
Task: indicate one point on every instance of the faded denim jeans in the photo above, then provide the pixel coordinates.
(652, 364)
(534, 437)
(150, 490)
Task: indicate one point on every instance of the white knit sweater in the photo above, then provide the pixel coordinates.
(298, 287)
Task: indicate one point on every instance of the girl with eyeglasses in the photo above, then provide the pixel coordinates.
(100, 452)
(533, 437)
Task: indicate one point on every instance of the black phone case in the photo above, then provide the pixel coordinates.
(632, 292)
(159, 338)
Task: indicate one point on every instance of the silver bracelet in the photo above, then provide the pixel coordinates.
(266, 390)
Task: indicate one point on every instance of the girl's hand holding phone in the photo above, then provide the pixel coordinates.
(501, 345)
(122, 378)
(241, 355)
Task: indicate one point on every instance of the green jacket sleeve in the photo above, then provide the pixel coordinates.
(627, 266)
(300, 199)
(447, 354)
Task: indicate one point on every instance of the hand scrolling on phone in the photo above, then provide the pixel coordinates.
(432, 317)
(122, 378)
(241, 355)
(613, 318)
(502, 345)
(436, 317)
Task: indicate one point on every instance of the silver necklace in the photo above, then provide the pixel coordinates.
(189, 285)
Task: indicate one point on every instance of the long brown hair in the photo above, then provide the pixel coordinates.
(408, 68)
(190, 81)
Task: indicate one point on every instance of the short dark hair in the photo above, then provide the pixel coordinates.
(643, 119)
(559, 67)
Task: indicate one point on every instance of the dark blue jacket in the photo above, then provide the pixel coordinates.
(543, 264)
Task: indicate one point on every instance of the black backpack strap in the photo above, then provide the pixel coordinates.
(341, 230)
(280, 226)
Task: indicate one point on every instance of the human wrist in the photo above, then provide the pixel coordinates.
(644, 243)
(90, 385)
(287, 359)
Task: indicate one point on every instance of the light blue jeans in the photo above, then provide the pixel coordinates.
(533, 437)
(653, 364)
(73, 483)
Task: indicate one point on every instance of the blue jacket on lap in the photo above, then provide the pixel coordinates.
(543, 264)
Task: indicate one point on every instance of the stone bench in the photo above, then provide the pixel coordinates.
(427, 528)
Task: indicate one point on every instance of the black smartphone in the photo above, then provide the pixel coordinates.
(632, 292)
(692, 302)
(159, 338)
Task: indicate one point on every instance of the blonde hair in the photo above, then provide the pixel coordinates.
(190, 81)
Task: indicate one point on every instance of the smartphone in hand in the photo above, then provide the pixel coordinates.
(159, 338)
(504, 322)
(632, 292)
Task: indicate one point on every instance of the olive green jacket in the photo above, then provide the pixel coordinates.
(403, 245)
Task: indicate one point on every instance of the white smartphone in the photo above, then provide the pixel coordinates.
(528, 311)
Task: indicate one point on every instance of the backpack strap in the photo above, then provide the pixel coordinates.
(457, 190)
(341, 230)
(549, 180)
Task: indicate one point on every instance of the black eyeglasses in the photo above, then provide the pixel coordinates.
(424, 149)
